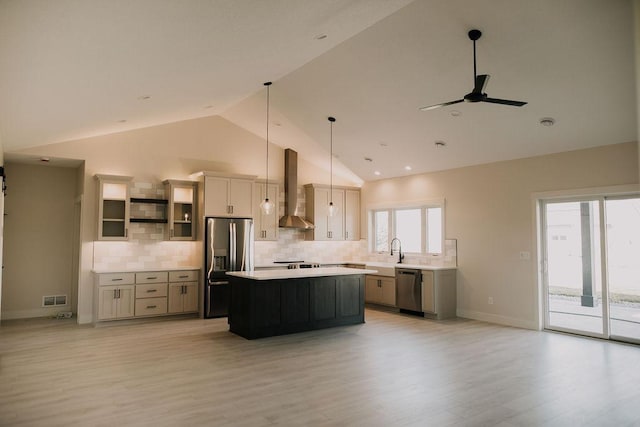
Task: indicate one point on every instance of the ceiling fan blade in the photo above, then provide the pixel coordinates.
(444, 104)
(481, 83)
(504, 102)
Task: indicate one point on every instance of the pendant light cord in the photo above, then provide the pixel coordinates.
(331, 166)
(266, 187)
(331, 120)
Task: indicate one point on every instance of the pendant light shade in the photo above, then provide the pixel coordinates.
(267, 206)
(332, 208)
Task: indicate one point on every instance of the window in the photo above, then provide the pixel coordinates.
(381, 234)
(419, 228)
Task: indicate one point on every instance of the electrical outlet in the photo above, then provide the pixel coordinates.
(490, 301)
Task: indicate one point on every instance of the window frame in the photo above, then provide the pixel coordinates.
(392, 208)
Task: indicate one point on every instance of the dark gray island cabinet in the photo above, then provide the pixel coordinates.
(277, 302)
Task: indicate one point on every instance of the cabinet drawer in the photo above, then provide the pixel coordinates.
(183, 276)
(151, 306)
(152, 277)
(116, 279)
(151, 290)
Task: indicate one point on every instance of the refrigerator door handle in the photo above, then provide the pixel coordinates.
(211, 254)
(232, 246)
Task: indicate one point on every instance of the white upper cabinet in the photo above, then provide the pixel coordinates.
(228, 196)
(113, 207)
(182, 209)
(266, 225)
(352, 214)
(344, 224)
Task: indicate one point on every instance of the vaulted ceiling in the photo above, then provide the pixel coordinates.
(72, 69)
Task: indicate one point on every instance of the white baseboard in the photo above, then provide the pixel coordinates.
(496, 318)
(34, 312)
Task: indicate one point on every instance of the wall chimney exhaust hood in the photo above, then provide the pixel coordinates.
(291, 219)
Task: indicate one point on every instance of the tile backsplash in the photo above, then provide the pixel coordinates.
(148, 250)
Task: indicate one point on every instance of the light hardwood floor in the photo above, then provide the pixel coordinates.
(395, 370)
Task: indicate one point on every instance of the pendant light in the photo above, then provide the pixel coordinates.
(266, 206)
(332, 207)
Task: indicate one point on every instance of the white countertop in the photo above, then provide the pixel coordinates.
(140, 270)
(374, 264)
(299, 273)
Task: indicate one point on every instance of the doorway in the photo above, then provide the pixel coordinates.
(591, 266)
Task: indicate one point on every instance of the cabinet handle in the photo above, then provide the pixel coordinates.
(183, 277)
(116, 280)
(151, 306)
(152, 290)
(126, 232)
(152, 278)
(184, 289)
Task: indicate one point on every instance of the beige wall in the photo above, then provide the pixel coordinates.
(489, 209)
(153, 154)
(1, 219)
(636, 10)
(38, 257)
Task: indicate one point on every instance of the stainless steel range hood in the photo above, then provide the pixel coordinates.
(291, 219)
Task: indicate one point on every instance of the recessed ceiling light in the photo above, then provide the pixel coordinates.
(455, 113)
(320, 37)
(144, 97)
(440, 144)
(547, 121)
(377, 173)
(44, 159)
(407, 168)
(368, 159)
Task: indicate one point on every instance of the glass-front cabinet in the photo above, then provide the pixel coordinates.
(113, 207)
(182, 209)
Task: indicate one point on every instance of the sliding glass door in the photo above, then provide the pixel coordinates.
(623, 262)
(591, 266)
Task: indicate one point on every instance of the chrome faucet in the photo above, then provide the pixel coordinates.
(400, 254)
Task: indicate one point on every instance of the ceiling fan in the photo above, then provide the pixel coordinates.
(480, 82)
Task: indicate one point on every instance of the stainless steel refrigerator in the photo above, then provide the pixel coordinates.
(228, 247)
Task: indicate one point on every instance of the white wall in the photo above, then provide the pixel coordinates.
(489, 211)
(38, 259)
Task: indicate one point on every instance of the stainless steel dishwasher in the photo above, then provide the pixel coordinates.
(408, 289)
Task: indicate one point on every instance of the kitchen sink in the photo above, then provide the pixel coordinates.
(384, 268)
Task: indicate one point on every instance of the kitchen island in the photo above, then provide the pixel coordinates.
(276, 302)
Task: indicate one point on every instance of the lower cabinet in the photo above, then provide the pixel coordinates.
(263, 308)
(439, 298)
(145, 294)
(183, 297)
(151, 299)
(115, 302)
(380, 290)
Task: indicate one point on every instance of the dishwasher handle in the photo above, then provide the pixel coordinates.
(415, 273)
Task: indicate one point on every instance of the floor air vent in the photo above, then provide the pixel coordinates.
(54, 300)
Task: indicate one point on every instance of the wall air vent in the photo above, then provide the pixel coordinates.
(54, 300)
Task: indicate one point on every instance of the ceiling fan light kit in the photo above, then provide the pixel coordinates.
(480, 82)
